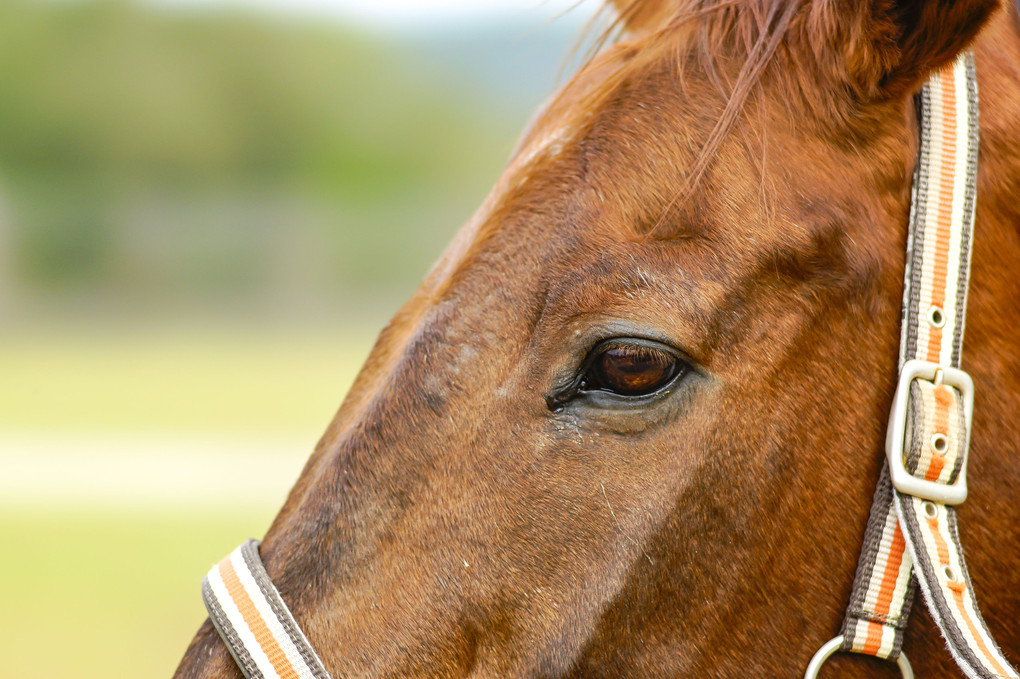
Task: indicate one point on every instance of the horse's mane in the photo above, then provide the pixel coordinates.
(750, 29)
(717, 33)
(827, 55)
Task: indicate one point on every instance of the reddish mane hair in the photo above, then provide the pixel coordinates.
(738, 42)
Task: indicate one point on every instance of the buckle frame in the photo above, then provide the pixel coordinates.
(895, 442)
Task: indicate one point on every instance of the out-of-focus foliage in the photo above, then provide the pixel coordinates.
(148, 154)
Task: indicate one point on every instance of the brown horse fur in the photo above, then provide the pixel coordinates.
(732, 178)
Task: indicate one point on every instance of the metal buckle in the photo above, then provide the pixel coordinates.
(902, 480)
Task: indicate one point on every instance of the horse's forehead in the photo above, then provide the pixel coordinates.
(600, 91)
(606, 161)
(623, 137)
(548, 142)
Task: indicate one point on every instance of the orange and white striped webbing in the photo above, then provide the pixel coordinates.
(254, 622)
(930, 530)
(908, 534)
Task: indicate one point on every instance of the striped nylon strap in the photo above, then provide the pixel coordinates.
(253, 621)
(912, 531)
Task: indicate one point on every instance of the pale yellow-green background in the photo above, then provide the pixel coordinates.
(205, 217)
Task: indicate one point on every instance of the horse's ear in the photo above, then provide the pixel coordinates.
(643, 15)
(889, 46)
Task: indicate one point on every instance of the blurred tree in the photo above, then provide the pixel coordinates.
(157, 153)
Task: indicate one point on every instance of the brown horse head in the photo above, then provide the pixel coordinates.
(631, 423)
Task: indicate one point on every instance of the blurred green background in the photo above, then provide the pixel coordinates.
(206, 213)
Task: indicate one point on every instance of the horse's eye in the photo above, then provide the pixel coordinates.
(631, 368)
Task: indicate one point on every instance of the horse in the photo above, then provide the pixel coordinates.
(631, 423)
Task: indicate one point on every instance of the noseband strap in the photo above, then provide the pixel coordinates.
(912, 533)
(254, 623)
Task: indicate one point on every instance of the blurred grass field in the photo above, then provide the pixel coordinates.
(106, 594)
(197, 379)
(96, 581)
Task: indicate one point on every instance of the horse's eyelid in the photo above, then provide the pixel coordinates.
(566, 392)
(562, 394)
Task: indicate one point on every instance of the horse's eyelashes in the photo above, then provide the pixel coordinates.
(631, 367)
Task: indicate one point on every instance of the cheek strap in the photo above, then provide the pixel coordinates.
(912, 538)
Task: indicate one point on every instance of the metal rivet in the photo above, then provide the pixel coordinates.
(936, 316)
(930, 510)
(939, 443)
(949, 573)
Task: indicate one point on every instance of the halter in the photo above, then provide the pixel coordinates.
(912, 532)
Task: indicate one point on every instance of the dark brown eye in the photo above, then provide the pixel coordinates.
(631, 368)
